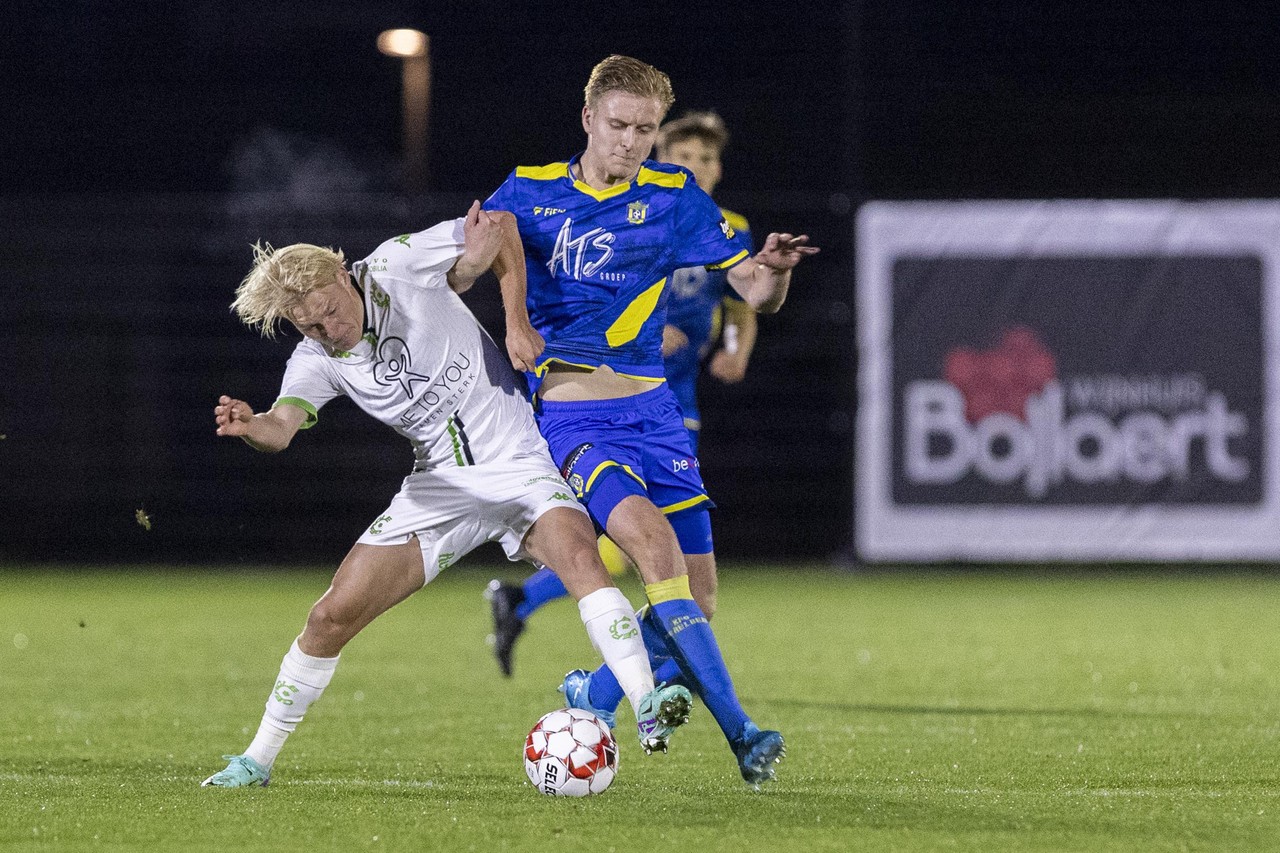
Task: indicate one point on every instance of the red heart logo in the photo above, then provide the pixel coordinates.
(1001, 379)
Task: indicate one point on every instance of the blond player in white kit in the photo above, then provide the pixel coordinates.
(393, 335)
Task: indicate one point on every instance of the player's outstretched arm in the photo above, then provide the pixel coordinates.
(270, 432)
(764, 279)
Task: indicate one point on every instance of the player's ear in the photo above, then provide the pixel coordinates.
(586, 118)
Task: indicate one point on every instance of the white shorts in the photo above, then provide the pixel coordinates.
(455, 510)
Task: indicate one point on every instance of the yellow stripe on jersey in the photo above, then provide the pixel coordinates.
(725, 264)
(541, 368)
(671, 180)
(549, 172)
(601, 195)
(736, 220)
(628, 325)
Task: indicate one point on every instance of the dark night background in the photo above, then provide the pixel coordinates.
(145, 145)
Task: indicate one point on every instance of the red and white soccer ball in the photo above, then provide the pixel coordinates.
(570, 753)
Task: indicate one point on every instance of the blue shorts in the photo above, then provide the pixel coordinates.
(609, 449)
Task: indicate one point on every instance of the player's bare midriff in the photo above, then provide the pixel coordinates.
(565, 383)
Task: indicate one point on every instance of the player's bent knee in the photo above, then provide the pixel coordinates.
(330, 626)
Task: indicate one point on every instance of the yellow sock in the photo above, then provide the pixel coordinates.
(668, 590)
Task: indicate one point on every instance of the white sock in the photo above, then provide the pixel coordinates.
(615, 633)
(301, 680)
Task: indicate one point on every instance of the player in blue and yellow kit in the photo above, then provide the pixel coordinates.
(602, 234)
(701, 307)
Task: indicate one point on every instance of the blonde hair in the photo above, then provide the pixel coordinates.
(281, 279)
(706, 126)
(623, 74)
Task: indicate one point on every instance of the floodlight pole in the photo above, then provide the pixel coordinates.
(412, 47)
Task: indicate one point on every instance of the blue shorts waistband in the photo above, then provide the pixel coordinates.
(613, 404)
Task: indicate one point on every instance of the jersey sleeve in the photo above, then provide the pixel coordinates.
(504, 197)
(706, 237)
(739, 223)
(307, 383)
(422, 259)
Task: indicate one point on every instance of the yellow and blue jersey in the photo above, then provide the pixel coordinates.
(694, 307)
(599, 262)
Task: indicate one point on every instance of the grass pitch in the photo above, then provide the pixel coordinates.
(972, 711)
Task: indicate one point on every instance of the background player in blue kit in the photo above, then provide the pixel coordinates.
(700, 304)
(602, 234)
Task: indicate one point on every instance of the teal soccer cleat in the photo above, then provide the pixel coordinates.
(241, 772)
(661, 712)
(757, 752)
(576, 687)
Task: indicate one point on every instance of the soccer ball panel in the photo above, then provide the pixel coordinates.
(557, 720)
(587, 732)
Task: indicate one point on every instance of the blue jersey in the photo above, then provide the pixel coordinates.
(599, 261)
(694, 308)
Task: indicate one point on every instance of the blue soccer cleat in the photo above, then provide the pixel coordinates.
(661, 712)
(241, 772)
(576, 687)
(757, 752)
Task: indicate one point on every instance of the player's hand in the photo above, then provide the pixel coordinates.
(232, 416)
(782, 252)
(524, 345)
(728, 367)
(481, 237)
(673, 340)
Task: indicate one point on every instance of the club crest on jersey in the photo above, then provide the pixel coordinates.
(727, 229)
(636, 212)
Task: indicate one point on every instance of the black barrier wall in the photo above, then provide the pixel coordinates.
(116, 310)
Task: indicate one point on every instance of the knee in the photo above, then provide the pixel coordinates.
(330, 624)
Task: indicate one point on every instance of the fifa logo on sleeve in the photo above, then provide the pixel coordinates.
(727, 229)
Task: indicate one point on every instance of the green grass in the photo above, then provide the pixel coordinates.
(992, 712)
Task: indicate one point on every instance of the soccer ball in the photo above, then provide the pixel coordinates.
(570, 753)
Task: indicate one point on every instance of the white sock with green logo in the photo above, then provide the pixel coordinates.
(615, 633)
(301, 680)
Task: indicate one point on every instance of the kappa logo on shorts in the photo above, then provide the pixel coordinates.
(560, 496)
(376, 527)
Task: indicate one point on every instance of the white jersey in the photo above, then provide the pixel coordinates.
(425, 366)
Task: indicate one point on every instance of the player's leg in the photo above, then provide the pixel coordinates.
(511, 604)
(674, 483)
(371, 579)
(564, 538)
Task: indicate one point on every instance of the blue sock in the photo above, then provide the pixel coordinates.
(539, 588)
(666, 669)
(669, 672)
(692, 643)
(605, 693)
